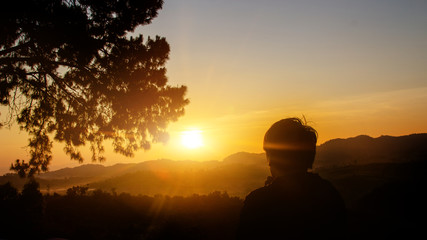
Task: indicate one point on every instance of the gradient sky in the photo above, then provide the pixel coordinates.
(350, 67)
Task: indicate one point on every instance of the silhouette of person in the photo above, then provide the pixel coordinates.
(294, 203)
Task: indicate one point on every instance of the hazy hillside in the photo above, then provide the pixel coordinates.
(234, 175)
(355, 166)
(236, 179)
(362, 150)
(237, 174)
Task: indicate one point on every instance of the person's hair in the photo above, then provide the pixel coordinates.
(293, 140)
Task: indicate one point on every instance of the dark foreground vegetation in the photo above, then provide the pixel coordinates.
(106, 215)
(382, 181)
(395, 209)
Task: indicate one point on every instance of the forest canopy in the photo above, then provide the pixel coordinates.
(70, 71)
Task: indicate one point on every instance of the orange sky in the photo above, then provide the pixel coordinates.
(350, 67)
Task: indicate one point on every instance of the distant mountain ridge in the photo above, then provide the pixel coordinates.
(363, 150)
(242, 172)
(359, 150)
(98, 170)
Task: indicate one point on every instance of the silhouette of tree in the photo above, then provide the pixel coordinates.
(31, 195)
(69, 69)
(8, 192)
(77, 191)
(31, 209)
(9, 207)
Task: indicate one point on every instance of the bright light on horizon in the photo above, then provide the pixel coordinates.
(192, 139)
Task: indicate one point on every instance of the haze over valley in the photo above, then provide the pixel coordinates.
(355, 166)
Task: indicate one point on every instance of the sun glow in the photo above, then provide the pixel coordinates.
(192, 139)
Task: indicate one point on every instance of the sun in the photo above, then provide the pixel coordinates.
(192, 139)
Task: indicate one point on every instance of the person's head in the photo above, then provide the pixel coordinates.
(290, 145)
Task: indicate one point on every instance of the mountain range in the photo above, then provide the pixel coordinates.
(363, 150)
(361, 162)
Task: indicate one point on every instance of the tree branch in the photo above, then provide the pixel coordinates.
(38, 87)
(14, 48)
(58, 82)
(5, 60)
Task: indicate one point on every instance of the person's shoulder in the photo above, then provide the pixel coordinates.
(316, 178)
(326, 189)
(257, 194)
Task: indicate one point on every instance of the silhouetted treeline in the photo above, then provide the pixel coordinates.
(395, 209)
(21, 213)
(81, 214)
(395, 206)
